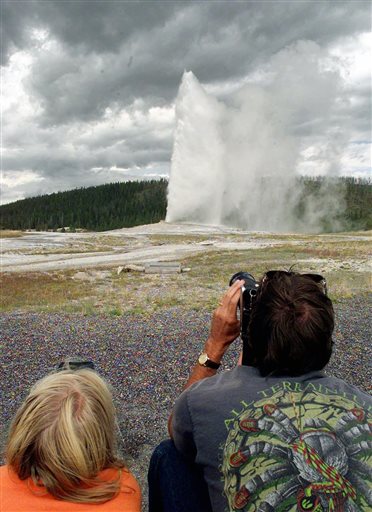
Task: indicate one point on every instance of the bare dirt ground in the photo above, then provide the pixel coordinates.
(45, 251)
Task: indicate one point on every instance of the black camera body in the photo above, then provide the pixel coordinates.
(247, 295)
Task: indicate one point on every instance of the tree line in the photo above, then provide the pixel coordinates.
(133, 203)
(355, 196)
(98, 208)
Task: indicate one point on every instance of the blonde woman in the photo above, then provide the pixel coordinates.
(61, 450)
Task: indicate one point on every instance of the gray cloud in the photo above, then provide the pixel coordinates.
(88, 70)
(89, 26)
(97, 71)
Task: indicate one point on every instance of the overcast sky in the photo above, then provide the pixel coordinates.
(89, 86)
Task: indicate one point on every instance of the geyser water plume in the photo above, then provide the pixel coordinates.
(235, 162)
(198, 156)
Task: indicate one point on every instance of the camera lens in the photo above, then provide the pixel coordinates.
(241, 275)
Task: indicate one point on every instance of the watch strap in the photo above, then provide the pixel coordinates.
(204, 360)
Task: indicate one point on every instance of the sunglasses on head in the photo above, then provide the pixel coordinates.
(75, 364)
(317, 278)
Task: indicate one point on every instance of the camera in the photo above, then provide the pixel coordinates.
(247, 295)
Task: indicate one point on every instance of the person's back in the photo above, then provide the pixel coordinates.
(61, 450)
(277, 434)
(266, 442)
(24, 496)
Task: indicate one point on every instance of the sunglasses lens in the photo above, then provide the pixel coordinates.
(315, 277)
(82, 364)
(274, 273)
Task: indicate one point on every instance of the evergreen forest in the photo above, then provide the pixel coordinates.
(99, 208)
(133, 203)
(354, 195)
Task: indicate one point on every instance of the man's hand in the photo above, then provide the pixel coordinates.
(225, 326)
(225, 329)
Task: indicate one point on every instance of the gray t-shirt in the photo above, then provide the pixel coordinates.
(278, 443)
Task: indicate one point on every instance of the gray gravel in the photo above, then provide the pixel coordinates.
(147, 359)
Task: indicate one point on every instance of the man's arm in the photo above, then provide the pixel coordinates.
(224, 330)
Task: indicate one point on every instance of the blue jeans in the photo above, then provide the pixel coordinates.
(175, 485)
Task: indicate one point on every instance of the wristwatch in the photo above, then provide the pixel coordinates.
(208, 363)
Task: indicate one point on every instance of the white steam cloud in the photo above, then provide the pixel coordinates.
(236, 162)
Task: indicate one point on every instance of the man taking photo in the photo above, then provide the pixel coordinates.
(274, 433)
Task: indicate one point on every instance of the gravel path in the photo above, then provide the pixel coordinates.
(147, 359)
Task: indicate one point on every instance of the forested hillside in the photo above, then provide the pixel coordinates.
(100, 208)
(118, 205)
(355, 202)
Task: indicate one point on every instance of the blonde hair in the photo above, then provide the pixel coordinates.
(63, 435)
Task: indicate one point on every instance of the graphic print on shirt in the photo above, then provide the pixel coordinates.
(299, 451)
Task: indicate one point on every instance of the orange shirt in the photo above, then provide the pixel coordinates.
(16, 496)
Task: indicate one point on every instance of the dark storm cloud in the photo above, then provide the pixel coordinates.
(89, 25)
(114, 52)
(60, 162)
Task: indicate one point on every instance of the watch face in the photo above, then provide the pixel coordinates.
(203, 358)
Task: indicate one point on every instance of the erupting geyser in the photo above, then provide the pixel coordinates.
(236, 162)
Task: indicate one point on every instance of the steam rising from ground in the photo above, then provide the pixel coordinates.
(236, 162)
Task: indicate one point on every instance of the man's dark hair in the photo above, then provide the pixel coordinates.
(291, 325)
